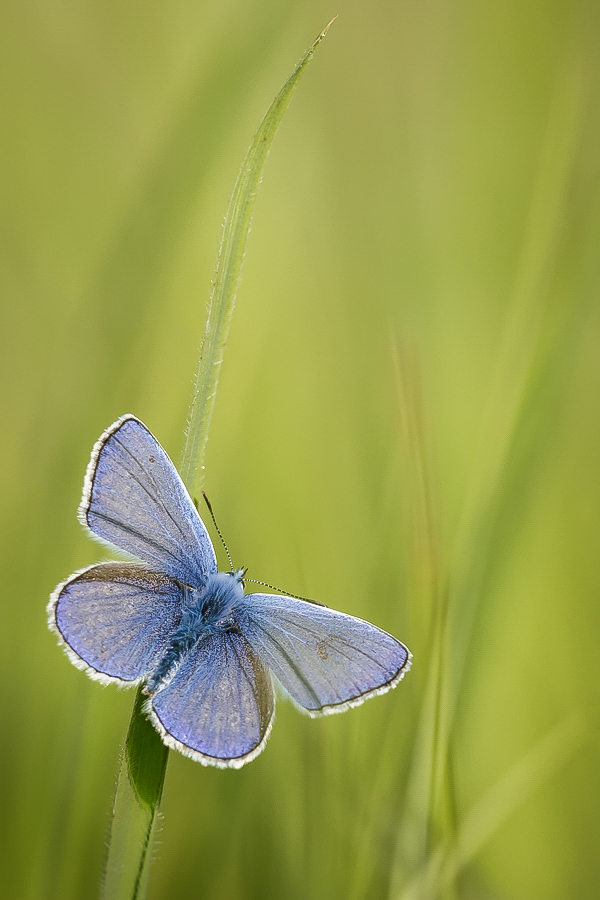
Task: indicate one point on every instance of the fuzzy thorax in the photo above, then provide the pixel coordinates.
(205, 612)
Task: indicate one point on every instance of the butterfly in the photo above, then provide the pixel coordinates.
(205, 652)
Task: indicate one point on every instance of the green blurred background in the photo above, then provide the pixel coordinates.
(407, 426)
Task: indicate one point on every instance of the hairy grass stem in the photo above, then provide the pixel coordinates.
(144, 762)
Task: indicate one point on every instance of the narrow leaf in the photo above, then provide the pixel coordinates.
(227, 278)
(144, 762)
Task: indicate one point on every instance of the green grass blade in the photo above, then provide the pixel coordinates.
(227, 278)
(135, 811)
(144, 762)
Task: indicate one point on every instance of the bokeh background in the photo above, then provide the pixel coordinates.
(407, 425)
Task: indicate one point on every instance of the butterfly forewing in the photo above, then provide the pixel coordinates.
(325, 660)
(116, 618)
(219, 705)
(134, 499)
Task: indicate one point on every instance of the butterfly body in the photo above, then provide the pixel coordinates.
(203, 613)
(205, 652)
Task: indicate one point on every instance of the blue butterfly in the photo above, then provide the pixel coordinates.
(204, 651)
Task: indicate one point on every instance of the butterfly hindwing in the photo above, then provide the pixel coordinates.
(115, 619)
(134, 499)
(218, 707)
(326, 660)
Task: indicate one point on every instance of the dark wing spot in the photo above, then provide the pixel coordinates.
(321, 647)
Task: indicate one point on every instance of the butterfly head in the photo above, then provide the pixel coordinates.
(238, 576)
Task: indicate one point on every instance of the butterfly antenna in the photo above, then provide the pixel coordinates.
(273, 588)
(212, 515)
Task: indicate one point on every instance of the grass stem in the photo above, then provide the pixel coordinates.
(144, 761)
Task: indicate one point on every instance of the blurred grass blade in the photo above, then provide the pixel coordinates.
(489, 813)
(144, 762)
(427, 572)
(227, 277)
(503, 426)
(519, 346)
(429, 804)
